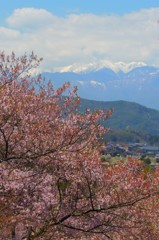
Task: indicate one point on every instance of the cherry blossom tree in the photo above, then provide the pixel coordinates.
(52, 181)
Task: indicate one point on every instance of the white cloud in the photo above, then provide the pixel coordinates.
(30, 18)
(83, 38)
(7, 34)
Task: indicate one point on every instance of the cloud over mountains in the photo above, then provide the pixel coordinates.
(83, 38)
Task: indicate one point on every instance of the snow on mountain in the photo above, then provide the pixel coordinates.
(106, 81)
(96, 66)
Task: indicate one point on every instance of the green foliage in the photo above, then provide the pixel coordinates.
(103, 158)
(147, 161)
(130, 122)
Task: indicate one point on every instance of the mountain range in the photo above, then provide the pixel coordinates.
(105, 81)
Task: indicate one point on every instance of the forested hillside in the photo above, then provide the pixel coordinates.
(129, 121)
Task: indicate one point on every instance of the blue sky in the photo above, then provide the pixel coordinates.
(63, 7)
(67, 32)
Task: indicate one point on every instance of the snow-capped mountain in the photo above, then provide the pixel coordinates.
(96, 66)
(105, 81)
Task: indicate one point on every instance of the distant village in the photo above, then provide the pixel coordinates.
(139, 150)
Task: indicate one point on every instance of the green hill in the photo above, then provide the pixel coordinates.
(129, 120)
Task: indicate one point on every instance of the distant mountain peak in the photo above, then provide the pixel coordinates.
(105, 81)
(96, 66)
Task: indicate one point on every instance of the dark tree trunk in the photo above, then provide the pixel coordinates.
(13, 234)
